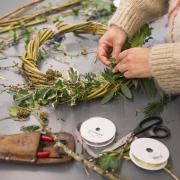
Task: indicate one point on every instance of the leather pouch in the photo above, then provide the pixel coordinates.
(25, 146)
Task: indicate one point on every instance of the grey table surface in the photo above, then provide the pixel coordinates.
(121, 111)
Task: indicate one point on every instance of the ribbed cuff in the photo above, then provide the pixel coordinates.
(165, 64)
(132, 14)
(127, 19)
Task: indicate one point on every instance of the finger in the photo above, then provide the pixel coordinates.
(128, 75)
(121, 68)
(103, 56)
(121, 56)
(116, 50)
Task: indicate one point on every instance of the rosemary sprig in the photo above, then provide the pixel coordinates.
(157, 107)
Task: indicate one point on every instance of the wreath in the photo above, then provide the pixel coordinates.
(51, 87)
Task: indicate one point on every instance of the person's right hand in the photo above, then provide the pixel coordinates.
(111, 42)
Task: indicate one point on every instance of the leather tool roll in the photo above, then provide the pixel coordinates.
(25, 146)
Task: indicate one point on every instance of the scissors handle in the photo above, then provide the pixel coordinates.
(147, 124)
(157, 131)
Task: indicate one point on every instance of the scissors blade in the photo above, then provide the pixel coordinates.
(119, 143)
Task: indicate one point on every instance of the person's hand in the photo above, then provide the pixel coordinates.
(111, 41)
(134, 63)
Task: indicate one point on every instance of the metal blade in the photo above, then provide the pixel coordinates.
(119, 143)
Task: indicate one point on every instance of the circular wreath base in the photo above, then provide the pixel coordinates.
(36, 77)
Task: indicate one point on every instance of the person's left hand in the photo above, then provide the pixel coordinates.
(134, 63)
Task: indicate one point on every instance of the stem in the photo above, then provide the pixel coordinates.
(99, 95)
(165, 169)
(9, 117)
(32, 19)
(171, 174)
(35, 22)
(20, 9)
(97, 91)
(87, 163)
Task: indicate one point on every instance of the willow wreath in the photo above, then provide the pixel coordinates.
(51, 87)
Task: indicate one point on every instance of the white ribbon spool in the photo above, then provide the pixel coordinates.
(98, 131)
(149, 154)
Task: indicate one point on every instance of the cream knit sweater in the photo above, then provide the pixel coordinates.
(164, 58)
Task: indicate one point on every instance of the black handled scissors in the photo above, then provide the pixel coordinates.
(150, 127)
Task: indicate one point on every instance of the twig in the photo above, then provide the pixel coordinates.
(87, 163)
(8, 43)
(8, 56)
(86, 171)
(9, 67)
(20, 9)
(171, 174)
(12, 87)
(36, 18)
(165, 169)
(9, 117)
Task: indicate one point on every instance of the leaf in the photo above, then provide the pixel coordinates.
(148, 86)
(54, 103)
(62, 48)
(40, 93)
(156, 108)
(104, 5)
(126, 91)
(108, 75)
(107, 97)
(108, 162)
(51, 93)
(57, 18)
(113, 62)
(72, 102)
(39, 97)
(43, 101)
(73, 75)
(13, 35)
(142, 36)
(13, 111)
(27, 32)
(30, 128)
(42, 55)
(76, 11)
(153, 109)
(21, 94)
(35, 104)
(59, 84)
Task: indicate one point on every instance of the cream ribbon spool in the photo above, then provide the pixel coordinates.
(149, 154)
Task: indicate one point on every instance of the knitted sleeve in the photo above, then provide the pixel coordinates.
(165, 64)
(132, 14)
